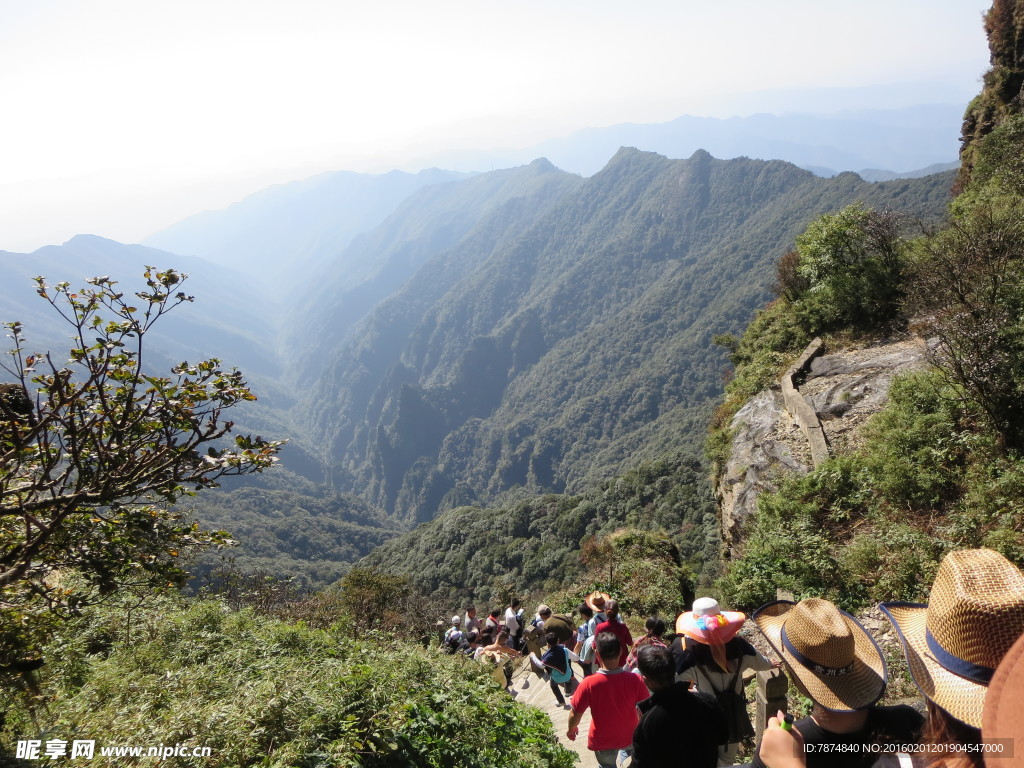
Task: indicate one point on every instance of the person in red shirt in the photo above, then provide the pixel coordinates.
(611, 695)
(617, 627)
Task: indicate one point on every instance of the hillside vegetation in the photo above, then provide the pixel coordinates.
(566, 340)
(942, 465)
(534, 546)
(261, 691)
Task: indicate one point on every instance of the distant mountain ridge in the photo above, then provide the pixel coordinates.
(579, 341)
(226, 320)
(492, 338)
(289, 232)
(900, 141)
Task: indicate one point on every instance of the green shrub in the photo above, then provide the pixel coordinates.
(852, 261)
(791, 555)
(259, 691)
(916, 448)
(894, 563)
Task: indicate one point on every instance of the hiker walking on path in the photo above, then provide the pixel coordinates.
(655, 629)
(471, 623)
(611, 695)
(453, 636)
(514, 623)
(558, 623)
(596, 601)
(554, 667)
(492, 626)
(617, 627)
(583, 633)
(675, 721)
(708, 653)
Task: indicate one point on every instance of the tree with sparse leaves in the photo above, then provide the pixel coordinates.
(95, 450)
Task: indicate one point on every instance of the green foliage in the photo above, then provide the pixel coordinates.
(290, 529)
(88, 468)
(999, 168)
(873, 524)
(484, 555)
(641, 568)
(917, 446)
(969, 288)
(852, 262)
(892, 562)
(375, 600)
(999, 100)
(567, 338)
(259, 691)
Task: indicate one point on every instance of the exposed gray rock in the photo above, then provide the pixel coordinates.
(766, 441)
(845, 388)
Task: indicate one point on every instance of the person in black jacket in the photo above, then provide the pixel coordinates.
(677, 726)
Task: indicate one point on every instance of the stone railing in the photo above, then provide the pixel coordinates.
(802, 411)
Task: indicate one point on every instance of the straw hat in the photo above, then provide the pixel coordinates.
(596, 600)
(1004, 703)
(954, 643)
(707, 623)
(830, 656)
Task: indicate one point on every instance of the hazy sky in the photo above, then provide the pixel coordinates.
(122, 116)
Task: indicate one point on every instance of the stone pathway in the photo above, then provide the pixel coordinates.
(538, 694)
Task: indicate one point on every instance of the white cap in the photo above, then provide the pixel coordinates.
(456, 620)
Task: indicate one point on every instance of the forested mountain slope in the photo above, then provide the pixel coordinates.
(567, 337)
(381, 261)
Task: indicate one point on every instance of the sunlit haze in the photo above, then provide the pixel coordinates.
(121, 117)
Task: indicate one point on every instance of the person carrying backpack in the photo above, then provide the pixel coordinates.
(554, 667)
(453, 637)
(655, 629)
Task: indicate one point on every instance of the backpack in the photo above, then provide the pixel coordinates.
(562, 677)
(587, 651)
(643, 641)
(452, 641)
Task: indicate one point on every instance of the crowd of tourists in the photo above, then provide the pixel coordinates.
(678, 699)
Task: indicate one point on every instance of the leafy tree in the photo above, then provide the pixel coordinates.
(374, 599)
(969, 292)
(89, 471)
(852, 263)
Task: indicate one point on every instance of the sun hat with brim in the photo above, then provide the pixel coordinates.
(953, 644)
(1004, 703)
(596, 601)
(830, 656)
(710, 628)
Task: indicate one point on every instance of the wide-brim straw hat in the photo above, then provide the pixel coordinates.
(710, 627)
(830, 656)
(975, 613)
(1001, 719)
(596, 600)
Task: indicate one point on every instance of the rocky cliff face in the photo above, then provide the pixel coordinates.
(1003, 92)
(844, 388)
